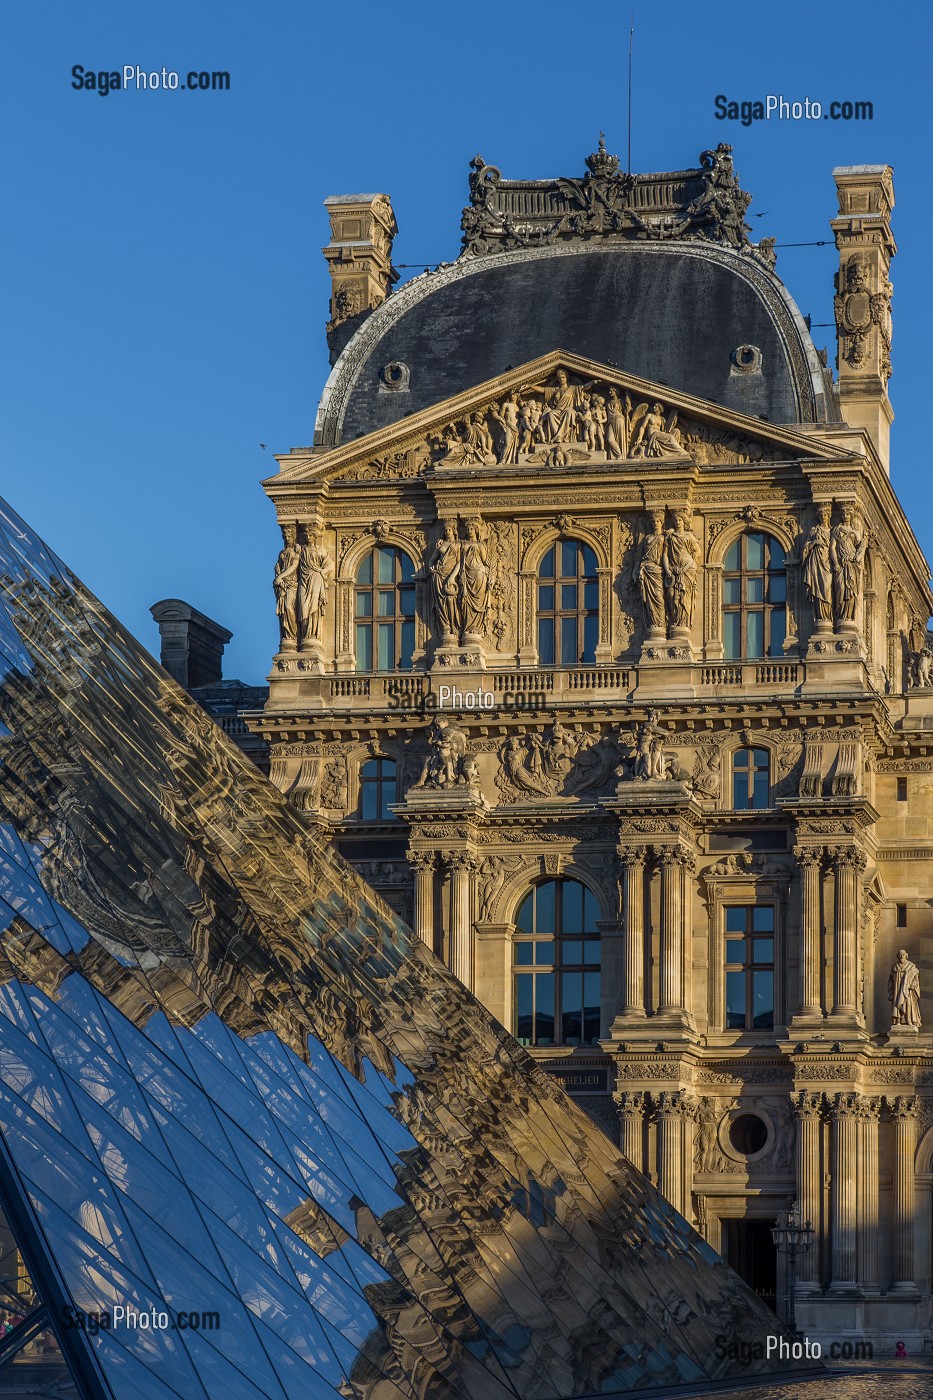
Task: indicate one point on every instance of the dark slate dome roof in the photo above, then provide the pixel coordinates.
(672, 312)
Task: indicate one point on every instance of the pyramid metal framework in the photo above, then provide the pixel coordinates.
(237, 1096)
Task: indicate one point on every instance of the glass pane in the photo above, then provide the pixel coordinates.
(524, 953)
(735, 1000)
(755, 589)
(735, 919)
(544, 951)
(364, 648)
(386, 659)
(732, 590)
(571, 952)
(524, 1008)
(544, 1008)
(387, 602)
(733, 560)
(763, 951)
(568, 597)
(385, 565)
(406, 602)
(571, 1008)
(763, 1000)
(364, 605)
(544, 908)
(590, 1007)
(590, 910)
(740, 791)
(778, 631)
(777, 588)
(568, 558)
(763, 918)
(365, 571)
(546, 597)
(590, 637)
(572, 906)
(368, 807)
(407, 645)
(589, 562)
(735, 950)
(591, 949)
(406, 567)
(591, 594)
(732, 636)
(754, 552)
(524, 917)
(755, 633)
(742, 758)
(761, 793)
(776, 557)
(547, 564)
(388, 795)
(568, 641)
(546, 641)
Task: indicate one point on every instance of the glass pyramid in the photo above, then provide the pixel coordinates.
(256, 1140)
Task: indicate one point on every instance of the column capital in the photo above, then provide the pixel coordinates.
(851, 857)
(843, 1106)
(460, 860)
(673, 1103)
(633, 855)
(869, 1110)
(903, 1107)
(422, 860)
(807, 1104)
(808, 856)
(631, 1103)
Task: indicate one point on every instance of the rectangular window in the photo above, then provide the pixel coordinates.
(546, 641)
(749, 967)
(902, 916)
(756, 634)
(364, 647)
(902, 789)
(732, 635)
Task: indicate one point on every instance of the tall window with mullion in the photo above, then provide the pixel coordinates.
(568, 605)
(754, 598)
(385, 611)
(750, 967)
(556, 966)
(378, 788)
(751, 779)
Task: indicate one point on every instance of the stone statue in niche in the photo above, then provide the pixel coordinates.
(445, 582)
(285, 587)
(649, 572)
(314, 570)
(448, 764)
(681, 557)
(474, 583)
(920, 669)
(847, 556)
(649, 750)
(904, 992)
(817, 570)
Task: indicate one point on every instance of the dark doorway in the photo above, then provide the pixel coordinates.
(748, 1248)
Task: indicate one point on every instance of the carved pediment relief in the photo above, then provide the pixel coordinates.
(559, 411)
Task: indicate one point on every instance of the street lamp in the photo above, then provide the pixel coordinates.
(791, 1236)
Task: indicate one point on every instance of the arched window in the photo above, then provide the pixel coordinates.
(751, 779)
(385, 611)
(568, 605)
(378, 787)
(754, 597)
(556, 966)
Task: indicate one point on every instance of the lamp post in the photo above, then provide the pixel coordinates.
(791, 1236)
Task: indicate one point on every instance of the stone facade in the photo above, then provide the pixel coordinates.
(571, 627)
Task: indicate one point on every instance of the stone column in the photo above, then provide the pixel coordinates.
(868, 1222)
(844, 1196)
(423, 863)
(848, 864)
(809, 858)
(904, 1111)
(632, 1115)
(461, 865)
(671, 1110)
(672, 928)
(633, 933)
(808, 1110)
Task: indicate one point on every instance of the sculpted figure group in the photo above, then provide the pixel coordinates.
(300, 583)
(459, 574)
(833, 560)
(666, 573)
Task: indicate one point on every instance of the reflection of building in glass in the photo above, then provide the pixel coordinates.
(668, 645)
(234, 1087)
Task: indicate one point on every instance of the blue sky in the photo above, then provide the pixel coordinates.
(165, 296)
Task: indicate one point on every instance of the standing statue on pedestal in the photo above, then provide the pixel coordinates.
(847, 555)
(817, 570)
(314, 570)
(445, 576)
(474, 583)
(649, 574)
(681, 555)
(285, 587)
(904, 992)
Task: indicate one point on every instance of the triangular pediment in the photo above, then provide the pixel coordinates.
(559, 410)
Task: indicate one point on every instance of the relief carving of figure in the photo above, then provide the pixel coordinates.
(681, 556)
(649, 750)
(817, 568)
(530, 424)
(314, 570)
(508, 416)
(285, 587)
(446, 765)
(618, 423)
(847, 556)
(649, 573)
(904, 992)
(474, 583)
(920, 669)
(562, 403)
(445, 581)
(657, 437)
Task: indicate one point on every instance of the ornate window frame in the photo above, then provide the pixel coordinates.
(345, 593)
(598, 538)
(723, 536)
